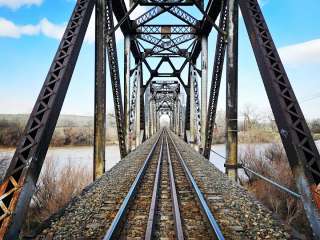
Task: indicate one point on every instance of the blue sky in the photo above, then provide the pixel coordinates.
(30, 32)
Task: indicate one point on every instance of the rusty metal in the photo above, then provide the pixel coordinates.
(115, 78)
(174, 198)
(215, 82)
(232, 91)
(297, 140)
(127, 86)
(115, 226)
(204, 90)
(120, 11)
(201, 199)
(154, 200)
(165, 29)
(20, 179)
(100, 93)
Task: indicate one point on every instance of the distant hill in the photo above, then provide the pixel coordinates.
(70, 130)
(63, 121)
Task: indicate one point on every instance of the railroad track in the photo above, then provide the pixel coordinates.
(164, 201)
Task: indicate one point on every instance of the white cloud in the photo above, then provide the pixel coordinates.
(15, 4)
(52, 30)
(44, 27)
(9, 29)
(301, 53)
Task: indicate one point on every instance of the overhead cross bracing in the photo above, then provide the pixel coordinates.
(162, 76)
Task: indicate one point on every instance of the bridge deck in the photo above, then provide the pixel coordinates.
(89, 215)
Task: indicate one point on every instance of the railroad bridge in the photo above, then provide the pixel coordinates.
(162, 188)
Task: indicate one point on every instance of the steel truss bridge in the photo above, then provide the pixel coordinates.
(150, 90)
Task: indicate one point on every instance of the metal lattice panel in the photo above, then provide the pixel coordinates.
(149, 15)
(168, 29)
(19, 183)
(115, 79)
(215, 85)
(197, 105)
(133, 103)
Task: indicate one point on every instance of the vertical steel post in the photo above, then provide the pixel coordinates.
(204, 89)
(232, 91)
(157, 121)
(150, 117)
(179, 118)
(142, 110)
(100, 92)
(175, 117)
(138, 99)
(154, 117)
(126, 85)
(192, 105)
(147, 113)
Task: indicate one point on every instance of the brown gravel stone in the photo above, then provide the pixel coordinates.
(89, 215)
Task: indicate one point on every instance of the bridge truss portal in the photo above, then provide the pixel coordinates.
(162, 48)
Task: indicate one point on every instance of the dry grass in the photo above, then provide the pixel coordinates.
(272, 163)
(4, 162)
(54, 190)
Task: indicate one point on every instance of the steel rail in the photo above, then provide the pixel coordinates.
(154, 200)
(116, 223)
(174, 198)
(201, 199)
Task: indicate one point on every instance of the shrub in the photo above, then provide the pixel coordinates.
(273, 164)
(54, 190)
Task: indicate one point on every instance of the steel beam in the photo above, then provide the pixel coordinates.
(167, 3)
(126, 83)
(120, 11)
(154, 118)
(165, 29)
(192, 106)
(138, 107)
(148, 16)
(297, 140)
(132, 114)
(204, 89)
(232, 92)
(213, 10)
(20, 179)
(115, 79)
(215, 82)
(142, 104)
(100, 92)
(188, 103)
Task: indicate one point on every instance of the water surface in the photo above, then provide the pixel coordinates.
(83, 156)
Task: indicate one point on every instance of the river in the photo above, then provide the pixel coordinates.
(82, 156)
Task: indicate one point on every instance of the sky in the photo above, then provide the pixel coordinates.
(30, 31)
